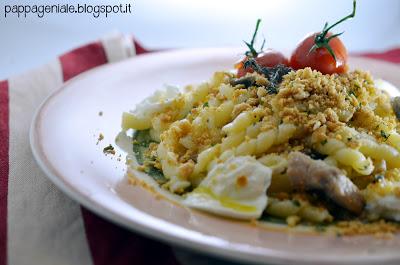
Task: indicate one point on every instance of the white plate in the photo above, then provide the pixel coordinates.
(63, 139)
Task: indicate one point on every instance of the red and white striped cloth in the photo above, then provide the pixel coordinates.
(38, 223)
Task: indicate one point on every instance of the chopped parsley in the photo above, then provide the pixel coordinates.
(205, 105)
(384, 135)
(351, 92)
(323, 142)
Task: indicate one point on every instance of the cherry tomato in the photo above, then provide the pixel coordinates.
(320, 59)
(268, 58)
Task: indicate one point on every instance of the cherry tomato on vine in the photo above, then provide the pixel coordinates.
(322, 51)
(320, 59)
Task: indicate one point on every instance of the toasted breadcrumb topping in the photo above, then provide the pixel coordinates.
(347, 108)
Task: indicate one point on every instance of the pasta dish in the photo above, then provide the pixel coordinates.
(299, 143)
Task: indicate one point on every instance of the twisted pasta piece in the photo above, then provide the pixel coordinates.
(394, 140)
(287, 208)
(346, 156)
(380, 151)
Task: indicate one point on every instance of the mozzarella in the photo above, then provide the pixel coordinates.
(235, 188)
(157, 102)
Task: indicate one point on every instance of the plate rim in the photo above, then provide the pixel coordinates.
(196, 245)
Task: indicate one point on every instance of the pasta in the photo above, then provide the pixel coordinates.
(315, 144)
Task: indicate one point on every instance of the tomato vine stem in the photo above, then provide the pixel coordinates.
(321, 41)
(252, 51)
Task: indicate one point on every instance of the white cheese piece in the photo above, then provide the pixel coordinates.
(235, 188)
(158, 101)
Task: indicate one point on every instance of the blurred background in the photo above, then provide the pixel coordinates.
(29, 42)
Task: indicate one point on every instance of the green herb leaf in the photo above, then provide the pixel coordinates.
(273, 74)
(141, 143)
(156, 174)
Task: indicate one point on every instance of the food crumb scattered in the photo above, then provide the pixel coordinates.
(100, 138)
(109, 150)
(380, 229)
